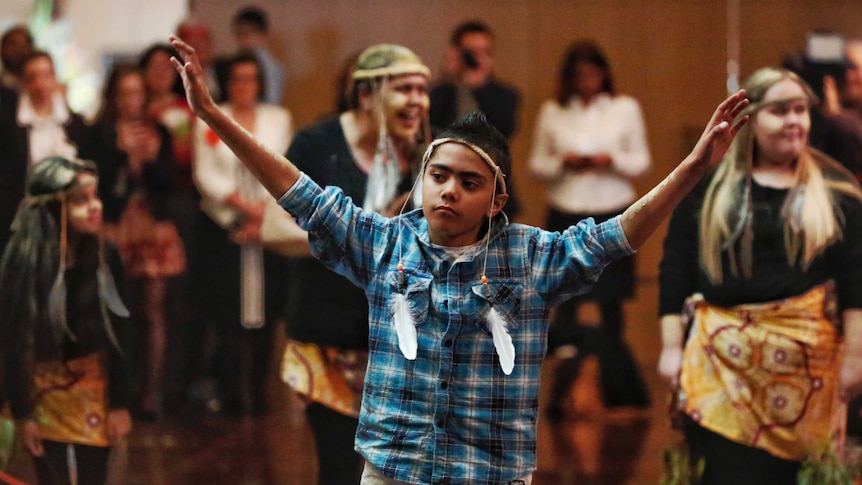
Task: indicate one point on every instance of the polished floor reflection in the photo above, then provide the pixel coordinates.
(591, 445)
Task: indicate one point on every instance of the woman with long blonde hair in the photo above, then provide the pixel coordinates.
(760, 302)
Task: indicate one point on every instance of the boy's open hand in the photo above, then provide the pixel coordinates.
(192, 73)
(720, 131)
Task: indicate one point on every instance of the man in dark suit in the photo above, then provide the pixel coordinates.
(36, 125)
(16, 44)
(468, 84)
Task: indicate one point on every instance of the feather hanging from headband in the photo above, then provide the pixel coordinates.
(738, 219)
(384, 177)
(58, 294)
(108, 292)
(57, 303)
(405, 326)
(110, 299)
(502, 340)
(385, 174)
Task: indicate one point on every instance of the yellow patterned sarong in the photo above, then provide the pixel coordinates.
(766, 375)
(329, 376)
(71, 400)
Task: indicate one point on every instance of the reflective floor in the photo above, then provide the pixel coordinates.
(590, 446)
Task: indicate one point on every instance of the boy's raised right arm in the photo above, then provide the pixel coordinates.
(274, 171)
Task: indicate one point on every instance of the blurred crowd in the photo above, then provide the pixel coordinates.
(206, 288)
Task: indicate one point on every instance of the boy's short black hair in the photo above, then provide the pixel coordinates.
(253, 16)
(475, 128)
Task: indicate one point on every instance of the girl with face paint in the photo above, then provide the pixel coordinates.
(62, 326)
(762, 263)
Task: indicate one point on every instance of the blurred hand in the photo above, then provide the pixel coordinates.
(575, 161)
(602, 160)
(32, 437)
(253, 211)
(248, 233)
(118, 424)
(720, 131)
(831, 98)
(850, 376)
(140, 142)
(669, 365)
(451, 65)
(192, 74)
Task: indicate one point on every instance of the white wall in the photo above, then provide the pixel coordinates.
(90, 31)
(124, 25)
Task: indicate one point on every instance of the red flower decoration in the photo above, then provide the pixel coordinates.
(211, 137)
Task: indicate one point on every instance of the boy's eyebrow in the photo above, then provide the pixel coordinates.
(462, 173)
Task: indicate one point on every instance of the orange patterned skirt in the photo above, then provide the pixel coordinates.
(329, 376)
(766, 375)
(71, 400)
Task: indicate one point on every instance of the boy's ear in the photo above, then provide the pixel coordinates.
(499, 202)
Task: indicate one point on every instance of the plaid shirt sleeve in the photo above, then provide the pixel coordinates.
(342, 236)
(569, 263)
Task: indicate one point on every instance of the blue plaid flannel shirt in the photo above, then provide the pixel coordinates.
(451, 415)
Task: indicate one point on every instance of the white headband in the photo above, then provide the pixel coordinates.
(498, 173)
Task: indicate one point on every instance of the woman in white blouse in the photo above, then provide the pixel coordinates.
(589, 143)
(230, 259)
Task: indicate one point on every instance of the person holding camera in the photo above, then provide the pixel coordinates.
(467, 84)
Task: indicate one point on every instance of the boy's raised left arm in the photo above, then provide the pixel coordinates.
(641, 219)
(274, 171)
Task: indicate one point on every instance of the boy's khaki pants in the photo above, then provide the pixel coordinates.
(372, 476)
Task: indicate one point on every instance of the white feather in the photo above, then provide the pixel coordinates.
(502, 341)
(404, 325)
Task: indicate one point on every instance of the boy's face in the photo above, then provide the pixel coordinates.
(457, 190)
